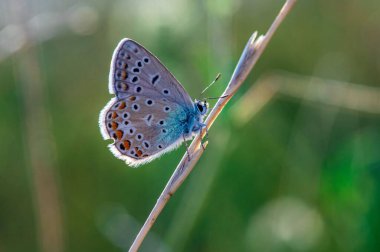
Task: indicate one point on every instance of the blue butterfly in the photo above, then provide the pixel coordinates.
(152, 113)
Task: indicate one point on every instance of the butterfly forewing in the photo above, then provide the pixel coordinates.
(134, 70)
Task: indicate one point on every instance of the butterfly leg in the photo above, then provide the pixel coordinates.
(187, 147)
(206, 136)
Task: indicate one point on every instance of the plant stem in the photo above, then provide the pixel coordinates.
(248, 59)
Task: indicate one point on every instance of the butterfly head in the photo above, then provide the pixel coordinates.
(201, 106)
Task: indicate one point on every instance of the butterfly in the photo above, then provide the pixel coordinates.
(151, 112)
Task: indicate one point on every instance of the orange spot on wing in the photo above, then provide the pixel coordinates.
(122, 105)
(119, 134)
(127, 144)
(124, 75)
(132, 98)
(114, 115)
(114, 125)
(125, 87)
(138, 152)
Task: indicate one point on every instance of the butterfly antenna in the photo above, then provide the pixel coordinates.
(216, 78)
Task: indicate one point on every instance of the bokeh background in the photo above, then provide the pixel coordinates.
(293, 162)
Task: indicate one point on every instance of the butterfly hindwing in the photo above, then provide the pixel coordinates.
(142, 129)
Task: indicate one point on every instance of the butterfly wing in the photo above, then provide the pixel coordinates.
(151, 110)
(142, 130)
(132, 65)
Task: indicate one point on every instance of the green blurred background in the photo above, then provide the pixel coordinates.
(293, 165)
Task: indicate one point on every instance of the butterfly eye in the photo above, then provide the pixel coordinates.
(200, 107)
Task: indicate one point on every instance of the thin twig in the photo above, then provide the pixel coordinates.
(248, 59)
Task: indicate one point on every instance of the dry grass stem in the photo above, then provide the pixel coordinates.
(249, 57)
(39, 150)
(356, 97)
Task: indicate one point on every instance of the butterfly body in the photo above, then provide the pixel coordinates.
(151, 113)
